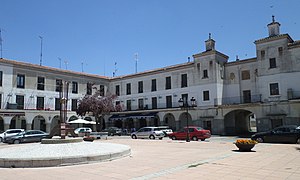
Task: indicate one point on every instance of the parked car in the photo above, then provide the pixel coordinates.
(9, 132)
(166, 130)
(281, 134)
(113, 131)
(82, 130)
(27, 136)
(148, 132)
(195, 133)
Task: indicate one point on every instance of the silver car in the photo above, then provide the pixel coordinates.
(148, 132)
(10, 132)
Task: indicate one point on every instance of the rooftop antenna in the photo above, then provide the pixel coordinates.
(82, 64)
(1, 42)
(59, 62)
(41, 50)
(66, 63)
(136, 61)
(115, 71)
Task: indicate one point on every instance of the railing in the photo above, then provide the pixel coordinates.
(238, 100)
(150, 107)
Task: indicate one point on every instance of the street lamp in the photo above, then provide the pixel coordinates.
(183, 104)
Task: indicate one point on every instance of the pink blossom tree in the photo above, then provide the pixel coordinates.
(99, 106)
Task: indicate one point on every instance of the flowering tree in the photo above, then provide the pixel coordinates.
(98, 105)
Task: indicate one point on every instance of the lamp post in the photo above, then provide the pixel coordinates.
(183, 104)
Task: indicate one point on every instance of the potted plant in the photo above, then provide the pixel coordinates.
(245, 144)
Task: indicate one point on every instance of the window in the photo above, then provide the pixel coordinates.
(272, 63)
(101, 90)
(1, 77)
(89, 88)
(118, 90)
(245, 75)
(205, 95)
(41, 83)
(154, 102)
(74, 105)
(40, 103)
(20, 81)
(169, 101)
(128, 104)
(205, 74)
(184, 98)
(198, 66)
(74, 87)
(184, 80)
(262, 54)
(140, 87)
(274, 89)
(0, 100)
(153, 85)
(20, 101)
(141, 103)
(168, 82)
(58, 85)
(247, 96)
(57, 103)
(118, 103)
(280, 51)
(128, 88)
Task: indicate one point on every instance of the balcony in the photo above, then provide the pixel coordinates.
(150, 107)
(238, 100)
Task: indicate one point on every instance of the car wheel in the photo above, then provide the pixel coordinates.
(151, 137)
(173, 138)
(16, 141)
(202, 139)
(194, 138)
(133, 137)
(160, 138)
(260, 140)
(1, 140)
(298, 141)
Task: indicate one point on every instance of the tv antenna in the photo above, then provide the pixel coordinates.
(115, 71)
(66, 64)
(136, 61)
(82, 64)
(1, 42)
(41, 50)
(59, 62)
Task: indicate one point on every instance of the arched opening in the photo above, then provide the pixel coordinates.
(142, 122)
(1, 124)
(169, 120)
(18, 122)
(39, 123)
(185, 118)
(240, 122)
(55, 121)
(128, 125)
(154, 121)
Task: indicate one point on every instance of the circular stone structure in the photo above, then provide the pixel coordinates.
(49, 155)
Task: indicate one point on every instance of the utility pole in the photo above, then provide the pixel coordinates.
(1, 43)
(41, 58)
(59, 62)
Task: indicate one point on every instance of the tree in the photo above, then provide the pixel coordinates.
(98, 105)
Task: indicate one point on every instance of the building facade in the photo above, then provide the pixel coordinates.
(237, 97)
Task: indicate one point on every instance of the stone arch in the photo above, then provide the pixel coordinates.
(39, 123)
(239, 122)
(169, 120)
(154, 121)
(185, 118)
(1, 124)
(18, 122)
(142, 123)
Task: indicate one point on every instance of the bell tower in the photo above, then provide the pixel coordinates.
(273, 28)
(210, 43)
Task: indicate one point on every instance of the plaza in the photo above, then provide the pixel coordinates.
(215, 158)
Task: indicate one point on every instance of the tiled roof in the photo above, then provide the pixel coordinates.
(29, 65)
(271, 38)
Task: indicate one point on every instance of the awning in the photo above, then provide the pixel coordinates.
(133, 116)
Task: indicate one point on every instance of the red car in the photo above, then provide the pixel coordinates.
(195, 133)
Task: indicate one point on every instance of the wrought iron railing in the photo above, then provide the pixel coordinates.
(238, 100)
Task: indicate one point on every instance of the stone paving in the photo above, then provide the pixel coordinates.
(216, 158)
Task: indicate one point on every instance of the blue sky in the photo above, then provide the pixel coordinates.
(98, 33)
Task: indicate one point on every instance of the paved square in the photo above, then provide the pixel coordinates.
(216, 158)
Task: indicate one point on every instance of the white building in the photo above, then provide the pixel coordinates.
(232, 97)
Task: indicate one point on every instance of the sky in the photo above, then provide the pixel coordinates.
(103, 36)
